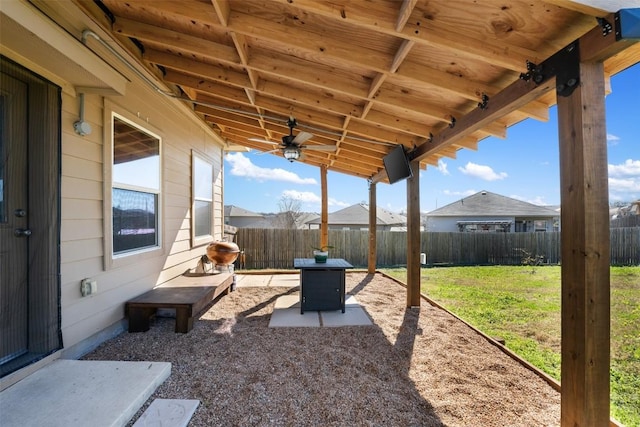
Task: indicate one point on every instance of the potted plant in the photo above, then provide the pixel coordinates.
(321, 254)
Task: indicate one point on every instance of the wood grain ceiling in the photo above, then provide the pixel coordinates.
(361, 75)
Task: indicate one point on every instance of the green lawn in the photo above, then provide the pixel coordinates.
(521, 304)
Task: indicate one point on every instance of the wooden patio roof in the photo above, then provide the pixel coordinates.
(362, 76)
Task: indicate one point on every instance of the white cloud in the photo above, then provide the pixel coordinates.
(612, 139)
(303, 196)
(628, 168)
(243, 167)
(624, 185)
(442, 167)
(482, 172)
(311, 198)
(624, 180)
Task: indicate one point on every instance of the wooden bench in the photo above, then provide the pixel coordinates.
(187, 294)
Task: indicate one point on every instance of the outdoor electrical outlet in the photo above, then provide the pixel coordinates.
(88, 287)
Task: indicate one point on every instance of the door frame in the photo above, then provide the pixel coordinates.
(43, 130)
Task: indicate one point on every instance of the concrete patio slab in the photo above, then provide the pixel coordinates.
(352, 316)
(168, 413)
(69, 393)
(286, 313)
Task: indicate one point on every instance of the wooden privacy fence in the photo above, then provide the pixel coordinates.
(276, 248)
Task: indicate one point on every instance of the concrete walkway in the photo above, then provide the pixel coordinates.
(69, 393)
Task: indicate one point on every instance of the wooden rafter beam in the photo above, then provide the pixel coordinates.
(594, 47)
(405, 12)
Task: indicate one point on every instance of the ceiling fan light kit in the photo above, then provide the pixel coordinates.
(291, 153)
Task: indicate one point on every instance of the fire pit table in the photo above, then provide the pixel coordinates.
(321, 284)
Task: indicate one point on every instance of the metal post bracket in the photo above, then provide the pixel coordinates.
(564, 65)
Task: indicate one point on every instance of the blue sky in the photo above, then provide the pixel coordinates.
(524, 166)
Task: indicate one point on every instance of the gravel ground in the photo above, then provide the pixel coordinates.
(413, 367)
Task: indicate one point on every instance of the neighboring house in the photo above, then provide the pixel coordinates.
(490, 212)
(242, 218)
(356, 217)
(630, 209)
(100, 185)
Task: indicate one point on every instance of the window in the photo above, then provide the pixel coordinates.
(540, 225)
(202, 201)
(135, 188)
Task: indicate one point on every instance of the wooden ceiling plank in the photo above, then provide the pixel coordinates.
(175, 40)
(372, 17)
(578, 7)
(310, 74)
(398, 123)
(186, 10)
(440, 35)
(193, 67)
(271, 89)
(308, 97)
(400, 98)
(211, 87)
(365, 129)
(231, 124)
(228, 116)
(308, 44)
(302, 114)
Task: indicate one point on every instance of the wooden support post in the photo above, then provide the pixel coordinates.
(324, 214)
(413, 236)
(373, 219)
(585, 252)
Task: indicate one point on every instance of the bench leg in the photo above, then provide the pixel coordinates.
(139, 318)
(184, 320)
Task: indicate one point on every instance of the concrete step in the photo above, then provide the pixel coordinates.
(69, 393)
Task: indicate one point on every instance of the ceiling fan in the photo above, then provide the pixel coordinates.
(292, 145)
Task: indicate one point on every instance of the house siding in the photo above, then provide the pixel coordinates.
(85, 179)
(83, 187)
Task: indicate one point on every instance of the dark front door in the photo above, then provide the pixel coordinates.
(14, 231)
(29, 217)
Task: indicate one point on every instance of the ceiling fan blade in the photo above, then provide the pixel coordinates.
(302, 137)
(266, 141)
(320, 147)
(260, 153)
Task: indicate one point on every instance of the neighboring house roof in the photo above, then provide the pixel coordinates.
(234, 211)
(306, 217)
(486, 203)
(358, 214)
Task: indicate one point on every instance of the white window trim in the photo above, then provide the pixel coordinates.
(112, 261)
(204, 239)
